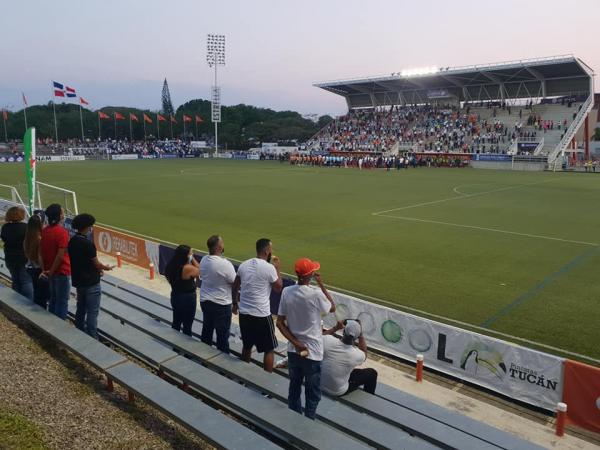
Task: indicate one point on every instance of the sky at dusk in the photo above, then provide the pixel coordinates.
(118, 52)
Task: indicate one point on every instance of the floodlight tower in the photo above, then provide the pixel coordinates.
(215, 57)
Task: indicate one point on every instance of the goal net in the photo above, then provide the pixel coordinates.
(47, 194)
(9, 197)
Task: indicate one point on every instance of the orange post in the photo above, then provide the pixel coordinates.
(561, 415)
(119, 262)
(151, 266)
(419, 376)
(109, 384)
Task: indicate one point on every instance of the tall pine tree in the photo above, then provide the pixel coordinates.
(167, 105)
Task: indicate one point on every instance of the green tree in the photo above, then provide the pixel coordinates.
(167, 104)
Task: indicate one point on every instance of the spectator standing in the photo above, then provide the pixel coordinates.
(31, 244)
(86, 272)
(56, 261)
(299, 320)
(255, 279)
(217, 276)
(13, 235)
(181, 272)
(340, 359)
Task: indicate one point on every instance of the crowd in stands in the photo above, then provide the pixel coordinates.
(120, 147)
(429, 128)
(45, 260)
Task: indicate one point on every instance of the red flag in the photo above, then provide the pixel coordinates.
(199, 119)
(147, 119)
(133, 117)
(83, 101)
(173, 119)
(5, 115)
(160, 118)
(24, 99)
(187, 118)
(101, 115)
(119, 116)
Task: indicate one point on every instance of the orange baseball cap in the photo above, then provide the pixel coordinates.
(305, 267)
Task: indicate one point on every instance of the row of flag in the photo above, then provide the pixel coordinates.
(148, 119)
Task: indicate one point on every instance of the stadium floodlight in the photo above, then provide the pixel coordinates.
(215, 57)
(419, 72)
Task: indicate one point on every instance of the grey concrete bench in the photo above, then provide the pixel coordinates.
(214, 427)
(362, 426)
(273, 416)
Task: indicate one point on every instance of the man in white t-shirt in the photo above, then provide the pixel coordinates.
(340, 359)
(299, 320)
(255, 279)
(217, 276)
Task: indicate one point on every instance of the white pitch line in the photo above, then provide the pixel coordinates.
(461, 197)
(493, 230)
(396, 305)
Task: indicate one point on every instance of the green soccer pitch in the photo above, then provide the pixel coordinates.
(507, 252)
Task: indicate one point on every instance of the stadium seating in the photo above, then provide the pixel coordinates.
(472, 129)
(137, 320)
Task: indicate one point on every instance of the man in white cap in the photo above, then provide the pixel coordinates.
(340, 359)
(299, 320)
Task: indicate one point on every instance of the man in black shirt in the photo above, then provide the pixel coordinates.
(13, 235)
(86, 271)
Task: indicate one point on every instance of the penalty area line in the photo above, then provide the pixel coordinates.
(491, 230)
(461, 196)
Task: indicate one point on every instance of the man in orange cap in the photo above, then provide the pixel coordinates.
(299, 320)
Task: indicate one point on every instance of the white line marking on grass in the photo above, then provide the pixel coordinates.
(460, 197)
(493, 230)
(397, 306)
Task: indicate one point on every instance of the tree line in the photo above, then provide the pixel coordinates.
(242, 125)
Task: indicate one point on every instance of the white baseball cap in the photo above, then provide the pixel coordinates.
(352, 329)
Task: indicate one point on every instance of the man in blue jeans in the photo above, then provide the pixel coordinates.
(86, 271)
(299, 320)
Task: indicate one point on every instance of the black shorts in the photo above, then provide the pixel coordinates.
(258, 331)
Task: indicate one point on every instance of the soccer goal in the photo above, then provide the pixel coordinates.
(47, 194)
(9, 196)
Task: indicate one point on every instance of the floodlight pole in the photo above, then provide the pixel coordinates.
(215, 55)
(216, 123)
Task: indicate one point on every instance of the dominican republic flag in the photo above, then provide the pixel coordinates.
(60, 90)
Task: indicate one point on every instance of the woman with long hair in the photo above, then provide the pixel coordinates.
(181, 272)
(31, 245)
(13, 234)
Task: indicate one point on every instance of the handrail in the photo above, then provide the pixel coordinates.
(539, 148)
(584, 110)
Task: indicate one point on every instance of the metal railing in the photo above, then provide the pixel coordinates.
(584, 110)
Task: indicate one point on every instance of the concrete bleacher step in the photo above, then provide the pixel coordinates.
(421, 411)
(214, 427)
(271, 415)
(362, 426)
(209, 424)
(455, 420)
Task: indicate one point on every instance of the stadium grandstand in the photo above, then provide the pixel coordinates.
(537, 107)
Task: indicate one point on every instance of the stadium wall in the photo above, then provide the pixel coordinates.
(530, 376)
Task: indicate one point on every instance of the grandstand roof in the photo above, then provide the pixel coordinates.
(532, 78)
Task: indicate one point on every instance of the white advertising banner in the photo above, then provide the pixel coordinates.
(124, 156)
(520, 373)
(62, 158)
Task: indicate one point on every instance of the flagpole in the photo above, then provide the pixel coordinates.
(157, 128)
(99, 134)
(24, 110)
(184, 128)
(144, 126)
(4, 120)
(130, 129)
(115, 117)
(196, 123)
(54, 110)
(171, 122)
(81, 120)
